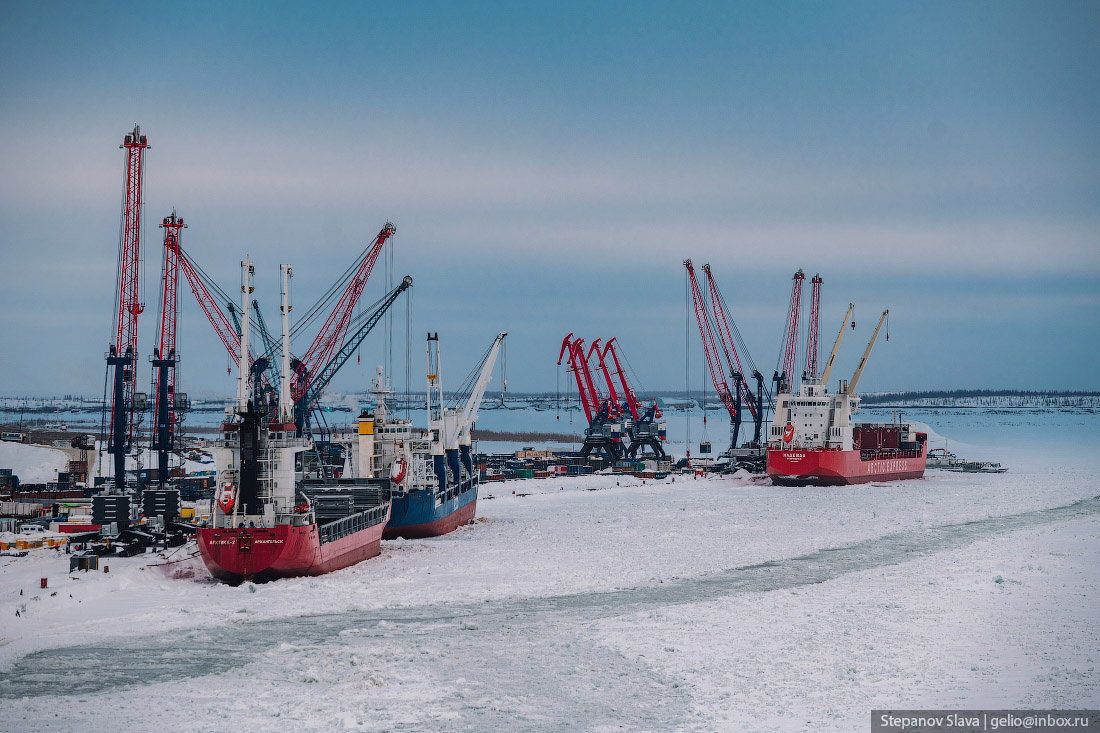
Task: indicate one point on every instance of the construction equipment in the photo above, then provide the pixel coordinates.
(640, 422)
(168, 405)
(604, 434)
(836, 346)
(785, 380)
(811, 339)
(122, 353)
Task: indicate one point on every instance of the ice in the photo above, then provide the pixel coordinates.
(603, 602)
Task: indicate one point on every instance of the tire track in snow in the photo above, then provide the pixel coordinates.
(533, 639)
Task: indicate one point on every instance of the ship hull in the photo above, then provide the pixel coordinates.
(264, 554)
(415, 514)
(839, 468)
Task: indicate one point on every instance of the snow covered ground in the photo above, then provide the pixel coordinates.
(33, 464)
(600, 603)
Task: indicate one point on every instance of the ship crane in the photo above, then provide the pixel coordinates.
(467, 416)
(836, 347)
(851, 389)
(642, 429)
(332, 333)
(603, 434)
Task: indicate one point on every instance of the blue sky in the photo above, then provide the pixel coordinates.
(548, 168)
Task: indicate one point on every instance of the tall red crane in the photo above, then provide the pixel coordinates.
(122, 354)
(642, 427)
(811, 339)
(725, 337)
(332, 333)
(166, 406)
(786, 379)
(579, 366)
(710, 348)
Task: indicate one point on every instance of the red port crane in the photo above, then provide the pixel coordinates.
(332, 333)
(167, 404)
(642, 428)
(811, 339)
(785, 379)
(710, 348)
(604, 432)
(123, 352)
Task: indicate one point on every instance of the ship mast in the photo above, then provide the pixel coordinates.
(286, 412)
(247, 270)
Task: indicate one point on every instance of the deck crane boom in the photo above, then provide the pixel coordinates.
(465, 418)
(271, 346)
(167, 405)
(836, 347)
(785, 379)
(851, 390)
(122, 353)
(323, 377)
(811, 339)
(332, 333)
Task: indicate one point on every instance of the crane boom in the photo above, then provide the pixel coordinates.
(568, 345)
(271, 346)
(717, 377)
(725, 339)
(229, 336)
(631, 398)
(789, 356)
(466, 418)
(836, 347)
(335, 328)
(863, 362)
(316, 387)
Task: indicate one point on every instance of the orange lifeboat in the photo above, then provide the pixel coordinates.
(227, 497)
(398, 470)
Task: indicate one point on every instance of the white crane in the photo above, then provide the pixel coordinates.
(458, 431)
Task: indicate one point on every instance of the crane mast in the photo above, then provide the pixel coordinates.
(714, 362)
(168, 404)
(811, 339)
(122, 354)
(785, 379)
(851, 390)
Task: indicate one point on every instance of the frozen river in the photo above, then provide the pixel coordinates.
(602, 603)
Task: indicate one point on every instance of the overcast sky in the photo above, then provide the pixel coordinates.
(548, 169)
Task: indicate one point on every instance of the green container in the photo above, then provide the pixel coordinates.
(526, 473)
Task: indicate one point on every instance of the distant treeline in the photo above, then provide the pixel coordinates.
(955, 394)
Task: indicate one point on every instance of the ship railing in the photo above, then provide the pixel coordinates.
(351, 524)
(876, 454)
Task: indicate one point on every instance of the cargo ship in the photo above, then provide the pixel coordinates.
(813, 440)
(429, 471)
(269, 520)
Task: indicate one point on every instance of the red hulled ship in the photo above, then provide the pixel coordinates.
(813, 441)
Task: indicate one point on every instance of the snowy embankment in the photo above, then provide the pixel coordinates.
(33, 464)
(719, 603)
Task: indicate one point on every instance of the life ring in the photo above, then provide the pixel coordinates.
(227, 498)
(788, 433)
(397, 471)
